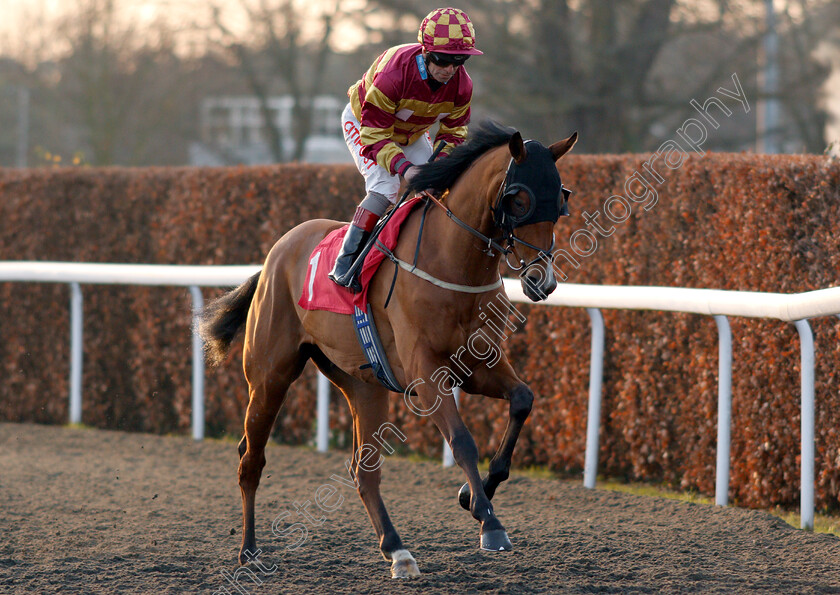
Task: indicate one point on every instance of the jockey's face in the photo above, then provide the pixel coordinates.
(442, 73)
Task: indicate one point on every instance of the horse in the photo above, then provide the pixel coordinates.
(501, 198)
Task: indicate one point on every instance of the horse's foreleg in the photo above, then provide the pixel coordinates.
(368, 474)
(371, 435)
(521, 400)
(446, 417)
(371, 430)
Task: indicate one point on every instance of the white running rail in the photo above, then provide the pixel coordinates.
(75, 274)
(795, 308)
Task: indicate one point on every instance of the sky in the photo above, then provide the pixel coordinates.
(144, 10)
(19, 20)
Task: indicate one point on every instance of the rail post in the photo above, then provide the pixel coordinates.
(806, 358)
(323, 421)
(76, 353)
(596, 378)
(448, 457)
(724, 409)
(197, 367)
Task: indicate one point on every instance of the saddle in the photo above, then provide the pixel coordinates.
(320, 293)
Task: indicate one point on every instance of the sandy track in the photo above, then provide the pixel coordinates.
(94, 511)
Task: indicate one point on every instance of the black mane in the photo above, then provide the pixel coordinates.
(441, 174)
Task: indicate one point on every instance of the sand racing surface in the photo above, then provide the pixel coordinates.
(92, 511)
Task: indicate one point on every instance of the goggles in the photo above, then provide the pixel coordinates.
(440, 59)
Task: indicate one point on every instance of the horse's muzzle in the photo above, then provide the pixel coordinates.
(538, 281)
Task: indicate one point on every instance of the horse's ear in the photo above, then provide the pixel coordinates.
(562, 147)
(517, 148)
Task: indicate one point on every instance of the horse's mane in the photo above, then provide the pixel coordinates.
(441, 174)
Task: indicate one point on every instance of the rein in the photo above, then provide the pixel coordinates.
(491, 243)
(511, 185)
(510, 238)
(412, 268)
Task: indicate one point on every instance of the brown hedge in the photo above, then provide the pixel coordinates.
(742, 222)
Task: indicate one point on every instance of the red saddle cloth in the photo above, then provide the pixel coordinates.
(320, 293)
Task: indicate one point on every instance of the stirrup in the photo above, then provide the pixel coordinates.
(346, 259)
(353, 245)
(347, 280)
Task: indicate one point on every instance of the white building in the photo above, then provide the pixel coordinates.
(831, 95)
(233, 131)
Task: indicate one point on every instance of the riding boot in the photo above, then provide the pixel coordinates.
(357, 236)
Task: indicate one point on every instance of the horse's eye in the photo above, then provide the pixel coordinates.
(520, 206)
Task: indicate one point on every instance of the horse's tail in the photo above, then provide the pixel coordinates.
(222, 318)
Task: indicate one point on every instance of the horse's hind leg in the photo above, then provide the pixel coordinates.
(372, 434)
(267, 386)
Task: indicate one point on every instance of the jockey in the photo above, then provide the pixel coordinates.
(386, 123)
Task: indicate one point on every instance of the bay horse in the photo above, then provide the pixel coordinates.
(504, 197)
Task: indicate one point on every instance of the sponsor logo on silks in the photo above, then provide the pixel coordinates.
(421, 66)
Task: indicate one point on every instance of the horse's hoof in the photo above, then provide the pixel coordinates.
(403, 565)
(495, 541)
(464, 496)
(245, 555)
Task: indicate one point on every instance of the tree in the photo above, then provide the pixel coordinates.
(803, 75)
(619, 71)
(278, 58)
(120, 95)
(14, 108)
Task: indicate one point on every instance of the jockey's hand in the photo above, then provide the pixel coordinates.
(411, 173)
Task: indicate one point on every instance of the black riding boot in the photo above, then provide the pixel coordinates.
(354, 241)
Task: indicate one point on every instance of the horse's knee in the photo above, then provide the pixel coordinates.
(521, 402)
(243, 446)
(498, 472)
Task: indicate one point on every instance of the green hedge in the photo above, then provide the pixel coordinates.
(741, 222)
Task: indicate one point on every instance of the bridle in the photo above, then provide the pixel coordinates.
(548, 203)
(508, 215)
